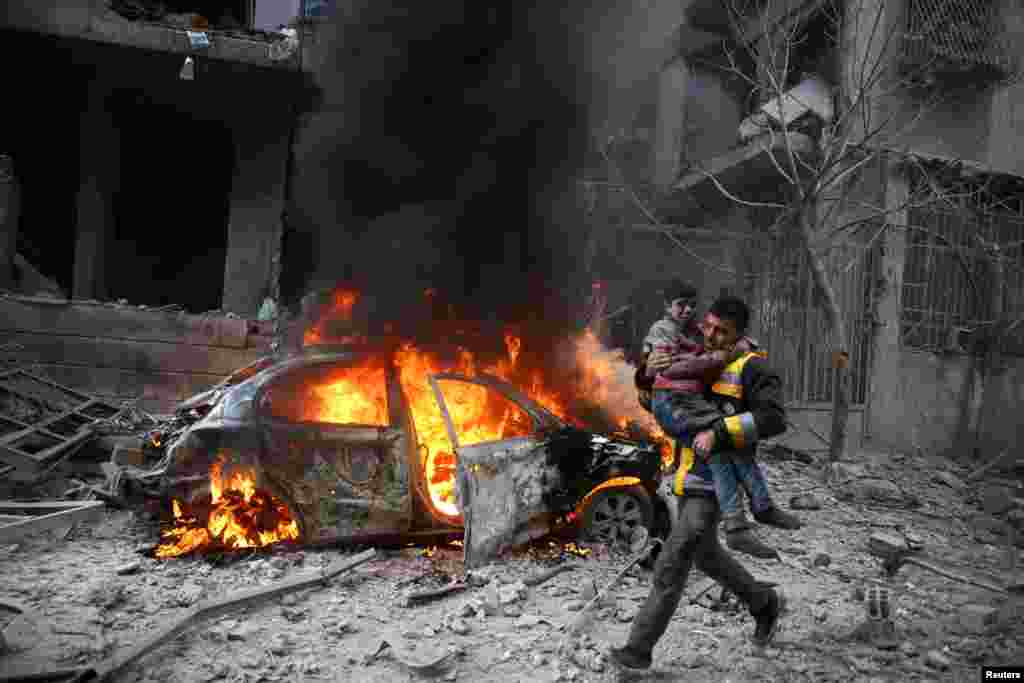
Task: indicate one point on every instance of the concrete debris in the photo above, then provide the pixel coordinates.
(512, 593)
(948, 479)
(510, 629)
(128, 568)
(805, 501)
(873, 489)
(937, 660)
(458, 626)
(978, 618)
(996, 500)
(821, 560)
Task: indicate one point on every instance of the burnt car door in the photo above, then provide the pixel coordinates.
(504, 476)
(333, 440)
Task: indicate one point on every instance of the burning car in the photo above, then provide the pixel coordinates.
(341, 445)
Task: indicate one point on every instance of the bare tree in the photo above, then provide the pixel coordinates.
(834, 101)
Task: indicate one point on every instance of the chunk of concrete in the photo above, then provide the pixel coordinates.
(996, 500)
(978, 618)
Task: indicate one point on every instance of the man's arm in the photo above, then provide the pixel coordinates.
(704, 366)
(765, 416)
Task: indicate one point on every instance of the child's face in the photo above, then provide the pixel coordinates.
(681, 310)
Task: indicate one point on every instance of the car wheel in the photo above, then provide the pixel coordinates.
(615, 515)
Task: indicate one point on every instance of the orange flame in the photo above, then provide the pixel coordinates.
(358, 396)
(240, 516)
(340, 308)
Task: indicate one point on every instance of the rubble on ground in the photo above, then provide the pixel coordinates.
(94, 594)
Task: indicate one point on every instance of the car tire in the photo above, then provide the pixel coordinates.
(613, 514)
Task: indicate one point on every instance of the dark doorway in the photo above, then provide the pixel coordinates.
(171, 210)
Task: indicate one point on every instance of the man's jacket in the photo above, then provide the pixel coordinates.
(749, 394)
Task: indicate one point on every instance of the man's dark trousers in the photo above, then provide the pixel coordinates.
(694, 540)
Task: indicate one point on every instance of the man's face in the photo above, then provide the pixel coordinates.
(720, 334)
(681, 310)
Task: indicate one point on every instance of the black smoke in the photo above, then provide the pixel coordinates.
(445, 156)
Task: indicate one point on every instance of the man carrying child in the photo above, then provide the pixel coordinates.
(682, 370)
(750, 396)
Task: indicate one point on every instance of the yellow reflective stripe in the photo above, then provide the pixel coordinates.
(684, 467)
(729, 383)
(742, 429)
(725, 389)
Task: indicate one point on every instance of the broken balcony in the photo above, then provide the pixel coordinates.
(745, 173)
(144, 25)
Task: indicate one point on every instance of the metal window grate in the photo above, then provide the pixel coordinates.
(949, 279)
(792, 322)
(951, 37)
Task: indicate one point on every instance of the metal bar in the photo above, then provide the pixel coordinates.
(40, 506)
(448, 424)
(82, 512)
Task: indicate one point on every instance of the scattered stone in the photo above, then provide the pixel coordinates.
(821, 560)
(937, 660)
(978, 618)
(289, 600)
(948, 479)
(281, 645)
(573, 606)
(251, 661)
(513, 611)
(129, 568)
(848, 470)
(529, 621)
(459, 626)
(539, 660)
(218, 670)
(343, 627)
(624, 616)
(805, 501)
(107, 595)
(987, 527)
(187, 595)
(876, 489)
(492, 600)
(514, 592)
(469, 609)
(696, 660)
(243, 632)
(996, 499)
(293, 615)
(451, 675)
(908, 649)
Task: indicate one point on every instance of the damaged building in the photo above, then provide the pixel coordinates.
(699, 131)
(144, 186)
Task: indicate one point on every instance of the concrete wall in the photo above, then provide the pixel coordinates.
(123, 352)
(922, 400)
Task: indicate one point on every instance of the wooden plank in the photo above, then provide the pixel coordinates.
(19, 314)
(39, 506)
(81, 512)
(139, 356)
(155, 392)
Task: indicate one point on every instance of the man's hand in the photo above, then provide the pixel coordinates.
(659, 360)
(704, 443)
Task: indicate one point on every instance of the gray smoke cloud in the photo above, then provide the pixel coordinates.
(445, 153)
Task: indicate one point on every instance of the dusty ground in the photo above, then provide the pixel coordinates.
(83, 610)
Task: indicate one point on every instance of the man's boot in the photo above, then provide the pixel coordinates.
(773, 516)
(741, 538)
